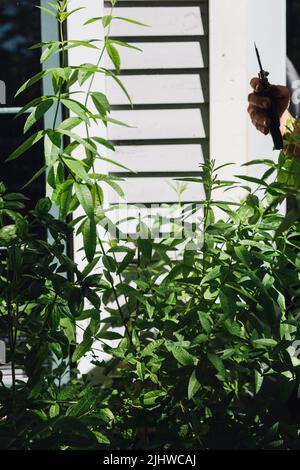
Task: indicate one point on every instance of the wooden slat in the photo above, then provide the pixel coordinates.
(159, 158)
(160, 89)
(155, 190)
(162, 21)
(165, 55)
(156, 85)
(159, 124)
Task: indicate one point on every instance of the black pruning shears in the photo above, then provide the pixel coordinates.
(273, 112)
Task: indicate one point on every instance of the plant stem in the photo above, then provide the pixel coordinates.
(61, 36)
(208, 191)
(97, 188)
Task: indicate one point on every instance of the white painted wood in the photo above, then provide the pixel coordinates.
(272, 48)
(162, 21)
(164, 55)
(234, 26)
(158, 124)
(160, 89)
(155, 190)
(228, 80)
(154, 158)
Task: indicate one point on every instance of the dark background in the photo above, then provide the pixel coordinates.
(20, 28)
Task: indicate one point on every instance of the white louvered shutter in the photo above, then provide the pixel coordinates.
(168, 83)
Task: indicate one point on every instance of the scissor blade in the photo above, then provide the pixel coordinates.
(258, 58)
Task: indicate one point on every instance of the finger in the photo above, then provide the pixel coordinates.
(251, 109)
(259, 101)
(255, 84)
(279, 91)
(262, 129)
(259, 118)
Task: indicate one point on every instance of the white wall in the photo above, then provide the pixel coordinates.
(234, 26)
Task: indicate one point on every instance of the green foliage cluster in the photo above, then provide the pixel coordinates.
(199, 342)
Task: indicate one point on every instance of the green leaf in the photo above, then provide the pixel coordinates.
(78, 139)
(101, 438)
(76, 108)
(69, 123)
(109, 263)
(33, 80)
(110, 181)
(262, 161)
(265, 342)
(89, 239)
(258, 379)
(52, 147)
(193, 385)
(190, 180)
(89, 268)
(114, 55)
(8, 234)
(183, 356)
(49, 52)
(82, 349)
(118, 81)
(69, 13)
(151, 397)
(104, 142)
(83, 405)
(32, 140)
(93, 20)
(251, 180)
(213, 274)
(15, 197)
(113, 162)
(84, 196)
(129, 20)
(151, 347)
(47, 10)
(71, 43)
(39, 173)
(114, 121)
(124, 44)
(101, 102)
(77, 168)
(218, 364)
(54, 410)
(106, 415)
(110, 335)
(291, 217)
(106, 20)
(125, 262)
(30, 105)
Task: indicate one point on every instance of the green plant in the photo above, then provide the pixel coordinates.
(38, 311)
(212, 363)
(204, 332)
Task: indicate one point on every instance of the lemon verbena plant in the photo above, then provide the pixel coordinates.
(204, 351)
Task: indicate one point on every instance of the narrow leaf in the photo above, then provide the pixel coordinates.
(84, 196)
